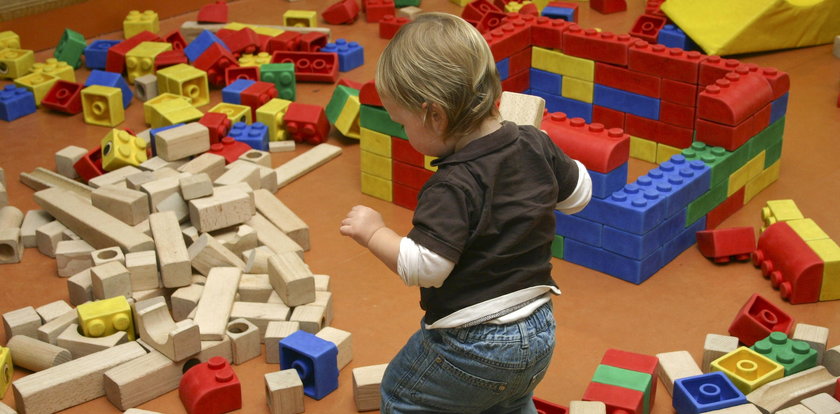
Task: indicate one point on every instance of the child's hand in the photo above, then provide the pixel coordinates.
(361, 223)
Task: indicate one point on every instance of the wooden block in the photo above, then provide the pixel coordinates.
(283, 217)
(310, 317)
(182, 141)
(24, 321)
(176, 340)
(256, 260)
(114, 178)
(137, 410)
(324, 299)
(190, 233)
(47, 237)
(66, 157)
(166, 172)
(35, 355)
(80, 287)
(50, 331)
(69, 235)
(306, 162)
(291, 279)
(816, 336)
(281, 146)
(222, 209)
(831, 360)
(109, 254)
(409, 12)
(211, 164)
(587, 407)
(522, 109)
(214, 308)
(822, 404)
(110, 280)
(31, 221)
(206, 253)
(184, 300)
(240, 172)
(254, 288)
(176, 204)
(322, 283)
(53, 310)
(92, 224)
(140, 380)
(42, 178)
(237, 238)
(795, 409)
(4, 196)
(71, 383)
(161, 188)
(676, 365)
(738, 409)
(343, 340)
(257, 157)
(143, 270)
(136, 181)
(284, 392)
(72, 256)
(792, 389)
(196, 186)
(275, 331)
(79, 346)
(715, 347)
(5, 409)
(173, 257)
(156, 163)
(260, 314)
(11, 249)
(127, 205)
(139, 295)
(245, 340)
(366, 381)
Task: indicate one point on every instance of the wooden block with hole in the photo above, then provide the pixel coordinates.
(366, 381)
(183, 141)
(211, 164)
(196, 186)
(343, 340)
(143, 270)
(72, 256)
(176, 340)
(291, 279)
(79, 345)
(24, 321)
(815, 336)
(206, 253)
(66, 157)
(715, 347)
(31, 221)
(522, 109)
(127, 205)
(53, 310)
(11, 249)
(283, 217)
(173, 257)
(140, 380)
(223, 209)
(676, 365)
(790, 390)
(260, 314)
(110, 254)
(36, 355)
(245, 340)
(257, 157)
(214, 308)
(275, 331)
(110, 280)
(284, 392)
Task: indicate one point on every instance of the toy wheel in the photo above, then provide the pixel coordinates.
(767, 268)
(757, 258)
(785, 290)
(776, 279)
(721, 260)
(742, 257)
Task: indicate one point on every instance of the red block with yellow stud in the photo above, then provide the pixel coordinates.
(106, 317)
(211, 388)
(120, 148)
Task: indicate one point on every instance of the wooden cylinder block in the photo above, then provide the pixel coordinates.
(36, 355)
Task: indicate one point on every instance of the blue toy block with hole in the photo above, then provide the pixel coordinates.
(155, 131)
(604, 184)
(351, 55)
(778, 108)
(638, 246)
(201, 43)
(503, 67)
(16, 102)
(628, 102)
(635, 209)
(577, 228)
(114, 80)
(545, 81)
(96, 53)
(233, 92)
(563, 13)
(255, 134)
(672, 36)
(315, 359)
(684, 240)
(624, 268)
(707, 392)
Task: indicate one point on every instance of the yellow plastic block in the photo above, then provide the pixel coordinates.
(15, 63)
(300, 18)
(540, 4)
(375, 142)
(643, 149)
(149, 106)
(746, 173)
(829, 253)
(767, 177)
(780, 210)
(106, 317)
(185, 80)
(255, 60)
(725, 27)
(377, 187)
(271, 114)
(556, 62)
(236, 113)
(136, 22)
(39, 83)
(7, 369)
(579, 90)
(807, 229)
(348, 120)
(460, 3)
(375, 164)
(57, 68)
(515, 6)
(173, 112)
(140, 60)
(263, 30)
(102, 105)
(427, 163)
(665, 152)
(120, 148)
(9, 40)
(748, 369)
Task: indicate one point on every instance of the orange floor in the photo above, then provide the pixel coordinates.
(674, 310)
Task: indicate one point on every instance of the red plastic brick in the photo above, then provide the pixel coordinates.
(210, 388)
(547, 407)
(653, 8)
(670, 63)
(215, 60)
(404, 196)
(641, 127)
(617, 399)
(518, 83)
(402, 151)
(508, 39)
(240, 42)
(229, 148)
(312, 41)
(310, 66)
(170, 58)
(286, 41)
(218, 124)
(90, 166)
(598, 46)
(64, 97)
(350, 83)
(673, 135)
(676, 114)
(790, 263)
(411, 176)
(520, 61)
(342, 12)
(647, 27)
(726, 209)
(779, 81)
(368, 94)
(176, 39)
(627, 80)
(258, 95)
(598, 148)
(475, 10)
(389, 25)
(724, 245)
(307, 123)
(529, 9)
(734, 98)
(713, 68)
(115, 59)
(757, 318)
(634, 362)
(608, 6)
(610, 118)
(375, 10)
(679, 92)
(234, 73)
(213, 13)
(490, 21)
(732, 137)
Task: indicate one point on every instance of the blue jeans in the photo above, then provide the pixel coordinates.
(481, 369)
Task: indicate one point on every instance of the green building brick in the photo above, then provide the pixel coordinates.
(282, 75)
(557, 246)
(721, 162)
(767, 138)
(793, 355)
(706, 202)
(377, 119)
(338, 100)
(626, 378)
(70, 48)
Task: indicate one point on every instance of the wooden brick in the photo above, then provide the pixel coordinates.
(110, 280)
(284, 392)
(183, 141)
(214, 308)
(291, 279)
(24, 321)
(72, 256)
(173, 258)
(245, 340)
(366, 381)
(275, 331)
(283, 217)
(143, 270)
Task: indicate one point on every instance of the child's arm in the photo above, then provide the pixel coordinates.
(366, 227)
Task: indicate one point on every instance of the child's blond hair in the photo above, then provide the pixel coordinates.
(440, 58)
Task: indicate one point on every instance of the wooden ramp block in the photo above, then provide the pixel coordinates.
(214, 308)
(143, 379)
(306, 162)
(790, 390)
(71, 383)
(155, 326)
(283, 217)
(53, 310)
(366, 381)
(50, 331)
(173, 257)
(676, 365)
(42, 178)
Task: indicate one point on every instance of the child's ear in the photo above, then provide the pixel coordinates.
(439, 119)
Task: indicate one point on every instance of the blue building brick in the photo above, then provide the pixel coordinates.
(639, 246)
(503, 67)
(546, 81)
(628, 102)
(201, 43)
(778, 108)
(577, 228)
(563, 13)
(350, 54)
(114, 80)
(571, 107)
(233, 92)
(683, 241)
(707, 392)
(633, 209)
(315, 359)
(672, 36)
(97, 52)
(624, 268)
(684, 181)
(153, 132)
(604, 184)
(16, 102)
(255, 135)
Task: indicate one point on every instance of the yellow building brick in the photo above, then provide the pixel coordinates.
(348, 120)
(515, 6)
(236, 113)
(9, 40)
(106, 317)
(300, 18)
(375, 142)
(377, 187)
(15, 63)
(57, 68)
(757, 184)
(263, 30)
(174, 112)
(185, 80)
(643, 149)
(557, 62)
(102, 105)
(375, 164)
(748, 369)
(255, 60)
(149, 105)
(136, 22)
(140, 60)
(780, 210)
(271, 114)
(746, 173)
(427, 163)
(829, 253)
(665, 152)
(807, 229)
(39, 83)
(577, 89)
(120, 148)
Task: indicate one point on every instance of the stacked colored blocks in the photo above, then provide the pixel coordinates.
(624, 381)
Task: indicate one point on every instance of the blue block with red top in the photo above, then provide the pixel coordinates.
(604, 184)
(624, 268)
(571, 226)
(233, 92)
(315, 360)
(201, 43)
(96, 53)
(114, 80)
(707, 392)
(16, 102)
(545, 81)
(627, 102)
(255, 135)
(350, 54)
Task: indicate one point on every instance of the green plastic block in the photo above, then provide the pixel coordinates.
(793, 355)
(282, 75)
(767, 138)
(626, 378)
(70, 48)
(722, 162)
(706, 202)
(406, 3)
(557, 246)
(338, 100)
(377, 119)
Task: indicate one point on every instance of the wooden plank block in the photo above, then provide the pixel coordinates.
(71, 383)
(822, 404)
(283, 217)
(281, 146)
(306, 162)
(127, 205)
(175, 340)
(790, 390)
(142, 379)
(31, 221)
(50, 331)
(173, 257)
(291, 279)
(42, 178)
(224, 208)
(522, 109)
(795, 409)
(158, 163)
(80, 346)
(676, 365)
(270, 236)
(214, 309)
(211, 164)
(715, 347)
(587, 407)
(816, 336)
(183, 141)
(35, 355)
(207, 253)
(115, 178)
(196, 186)
(366, 381)
(92, 224)
(284, 392)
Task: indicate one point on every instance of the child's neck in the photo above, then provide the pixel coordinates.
(487, 127)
